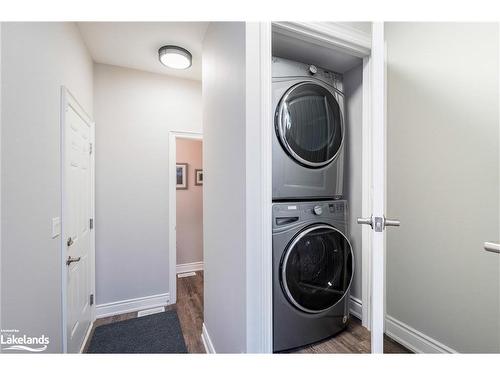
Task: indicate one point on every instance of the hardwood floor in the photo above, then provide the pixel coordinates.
(355, 339)
(189, 306)
(190, 310)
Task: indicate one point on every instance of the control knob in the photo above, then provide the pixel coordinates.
(318, 210)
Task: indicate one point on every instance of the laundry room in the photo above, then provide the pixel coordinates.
(318, 112)
(226, 187)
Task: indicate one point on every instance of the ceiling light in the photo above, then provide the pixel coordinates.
(175, 57)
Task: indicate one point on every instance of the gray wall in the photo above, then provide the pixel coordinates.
(353, 89)
(224, 213)
(134, 113)
(443, 181)
(37, 58)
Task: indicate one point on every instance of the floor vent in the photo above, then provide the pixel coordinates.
(186, 274)
(156, 310)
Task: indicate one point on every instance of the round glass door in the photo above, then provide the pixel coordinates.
(309, 124)
(317, 268)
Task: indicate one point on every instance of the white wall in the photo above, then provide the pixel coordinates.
(37, 58)
(134, 113)
(443, 181)
(353, 89)
(189, 210)
(224, 124)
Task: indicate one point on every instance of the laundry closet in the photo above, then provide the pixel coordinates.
(317, 104)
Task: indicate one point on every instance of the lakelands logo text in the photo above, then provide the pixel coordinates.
(12, 340)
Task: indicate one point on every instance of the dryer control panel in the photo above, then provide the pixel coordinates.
(284, 68)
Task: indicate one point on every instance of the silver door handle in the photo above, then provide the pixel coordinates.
(378, 223)
(492, 247)
(71, 260)
(392, 223)
(365, 220)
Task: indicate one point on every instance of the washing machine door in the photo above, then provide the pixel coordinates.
(317, 268)
(309, 124)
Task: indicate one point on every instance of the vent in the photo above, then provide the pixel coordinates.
(186, 274)
(156, 310)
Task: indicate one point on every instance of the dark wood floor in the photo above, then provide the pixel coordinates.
(190, 310)
(189, 306)
(355, 339)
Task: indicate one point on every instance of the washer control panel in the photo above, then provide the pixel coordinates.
(287, 213)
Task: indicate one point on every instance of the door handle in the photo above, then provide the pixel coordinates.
(71, 260)
(69, 242)
(492, 247)
(392, 223)
(365, 220)
(378, 223)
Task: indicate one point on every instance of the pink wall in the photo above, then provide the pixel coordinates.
(190, 205)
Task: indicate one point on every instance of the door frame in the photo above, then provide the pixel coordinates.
(172, 208)
(338, 37)
(69, 100)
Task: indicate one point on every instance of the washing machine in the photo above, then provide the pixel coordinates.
(309, 127)
(313, 268)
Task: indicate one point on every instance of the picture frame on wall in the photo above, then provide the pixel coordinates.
(181, 170)
(198, 177)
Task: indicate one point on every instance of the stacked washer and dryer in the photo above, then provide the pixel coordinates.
(313, 263)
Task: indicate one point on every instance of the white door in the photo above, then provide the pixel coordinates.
(437, 160)
(377, 219)
(77, 208)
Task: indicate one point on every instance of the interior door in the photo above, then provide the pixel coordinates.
(77, 206)
(377, 220)
(442, 182)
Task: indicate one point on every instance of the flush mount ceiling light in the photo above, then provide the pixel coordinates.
(175, 57)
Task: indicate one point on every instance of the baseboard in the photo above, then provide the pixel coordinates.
(355, 307)
(131, 305)
(189, 267)
(87, 336)
(207, 342)
(412, 339)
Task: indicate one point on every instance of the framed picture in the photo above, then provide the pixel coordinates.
(198, 176)
(181, 176)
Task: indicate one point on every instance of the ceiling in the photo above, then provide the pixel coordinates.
(135, 44)
(298, 50)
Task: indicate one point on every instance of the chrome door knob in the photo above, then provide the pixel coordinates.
(318, 210)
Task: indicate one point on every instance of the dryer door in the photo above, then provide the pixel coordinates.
(309, 124)
(317, 268)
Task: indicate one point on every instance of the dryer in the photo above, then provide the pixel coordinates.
(308, 142)
(313, 268)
